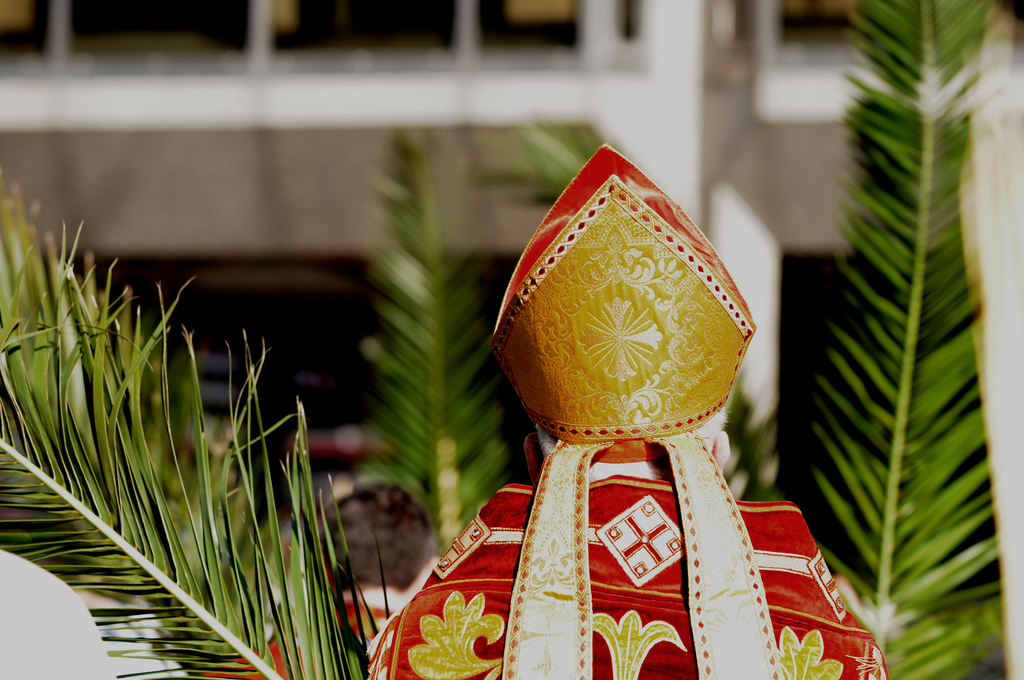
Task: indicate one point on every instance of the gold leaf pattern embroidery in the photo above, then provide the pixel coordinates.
(556, 566)
(448, 653)
(629, 642)
(801, 660)
(618, 260)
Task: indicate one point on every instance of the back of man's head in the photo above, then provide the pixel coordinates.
(712, 432)
(386, 516)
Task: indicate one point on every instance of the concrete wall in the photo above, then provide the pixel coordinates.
(246, 193)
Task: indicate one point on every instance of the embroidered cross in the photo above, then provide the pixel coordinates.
(642, 540)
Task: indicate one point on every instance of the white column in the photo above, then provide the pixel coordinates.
(259, 42)
(466, 34)
(57, 43)
(653, 115)
(767, 31)
(753, 257)
(993, 229)
(597, 33)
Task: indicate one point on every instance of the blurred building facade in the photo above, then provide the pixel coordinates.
(257, 127)
(245, 139)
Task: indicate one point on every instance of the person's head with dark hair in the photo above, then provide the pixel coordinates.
(378, 514)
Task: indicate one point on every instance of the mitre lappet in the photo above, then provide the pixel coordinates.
(622, 324)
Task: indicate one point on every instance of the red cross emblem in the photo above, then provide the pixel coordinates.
(642, 540)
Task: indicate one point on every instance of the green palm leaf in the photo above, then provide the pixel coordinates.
(434, 395)
(543, 157)
(753, 463)
(898, 409)
(82, 486)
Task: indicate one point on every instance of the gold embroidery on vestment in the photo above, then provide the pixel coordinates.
(643, 540)
(471, 538)
(380, 653)
(728, 610)
(801, 659)
(448, 653)
(550, 620)
(870, 666)
(629, 642)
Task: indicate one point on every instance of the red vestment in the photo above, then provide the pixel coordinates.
(454, 629)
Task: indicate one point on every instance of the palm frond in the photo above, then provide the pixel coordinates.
(898, 408)
(434, 395)
(753, 466)
(82, 492)
(543, 157)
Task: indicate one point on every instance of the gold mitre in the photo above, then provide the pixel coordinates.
(620, 321)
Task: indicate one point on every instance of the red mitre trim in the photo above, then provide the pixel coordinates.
(631, 451)
(602, 165)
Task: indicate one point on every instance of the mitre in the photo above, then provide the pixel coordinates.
(620, 321)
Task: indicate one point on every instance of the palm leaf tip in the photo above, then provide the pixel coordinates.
(543, 158)
(433, 398)
(897, 404)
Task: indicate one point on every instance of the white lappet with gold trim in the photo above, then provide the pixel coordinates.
(621, 323)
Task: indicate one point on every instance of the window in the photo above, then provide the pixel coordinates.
(363, 23)
(198, 36)
(22, 25)
(528, 22)
(816, 21)
(1017, 9)
(629, 19)
(180, 26)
